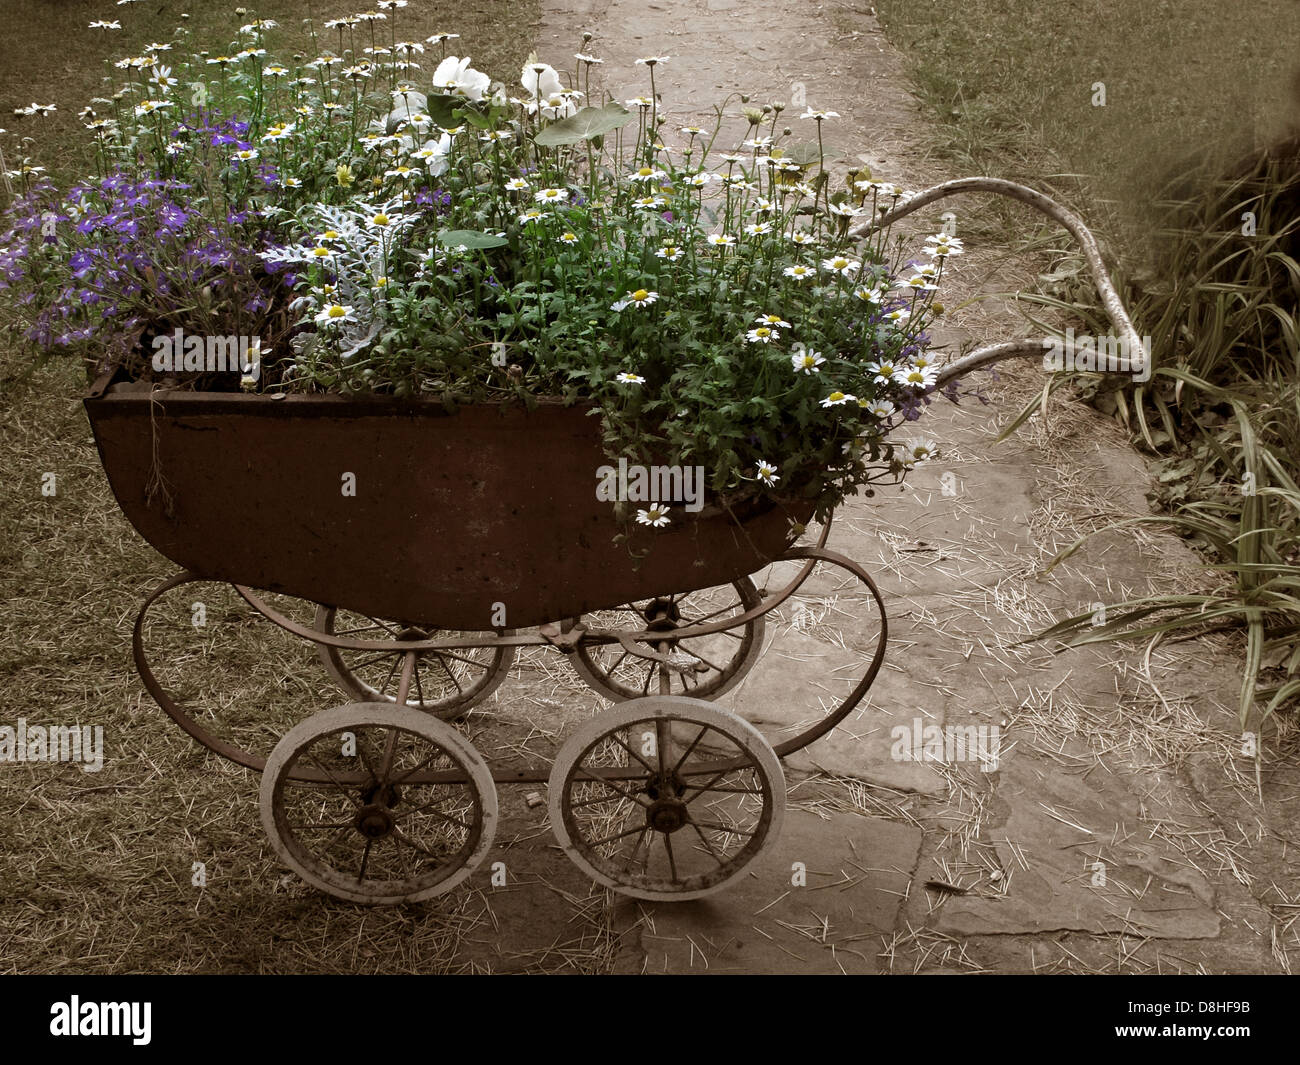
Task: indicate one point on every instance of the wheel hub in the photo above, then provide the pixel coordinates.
(374, 821)
(666, 815)
(662, 615)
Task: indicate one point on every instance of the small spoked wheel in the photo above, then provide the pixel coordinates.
(445, 683)
(376, 803)
(705, 666)
(666, 797)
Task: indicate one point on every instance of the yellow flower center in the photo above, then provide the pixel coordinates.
(337, 312)
(640, 294)
(836, 396)
(380, 219)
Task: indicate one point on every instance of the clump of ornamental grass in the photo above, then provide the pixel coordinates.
(1220, 298)
(390, 232)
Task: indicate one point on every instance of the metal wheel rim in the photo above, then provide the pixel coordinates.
(600, 679)
(297, 855)
(755, 751)
(452, 707)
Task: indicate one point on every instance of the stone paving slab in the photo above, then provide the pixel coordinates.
(858, 871)
(1075, 855)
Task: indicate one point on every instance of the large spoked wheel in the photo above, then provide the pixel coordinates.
(709, 666)
(666, 798)
(445, 683)
(376, 803)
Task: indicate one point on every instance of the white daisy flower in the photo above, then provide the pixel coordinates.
(767, 472)
(656, 516)
(335, 314)
(884, 371)
(630, 379)
(840, 265)
(762, 335)
(807, 362)
(918, 378)
(640, 298)
(921, 452)
(838, 399)
(799, 272)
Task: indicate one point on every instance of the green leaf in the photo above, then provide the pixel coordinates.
(587, 124)
(442, 109)
(469, 238)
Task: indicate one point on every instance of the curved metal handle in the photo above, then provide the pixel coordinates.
(1072, 222)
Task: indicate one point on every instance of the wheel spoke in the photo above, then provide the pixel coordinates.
(392, 672)
(419, 690)
(450, 673)
(627, 795)
(617, 835)
(709, 617)
(705, 840)
(719, 827)
(687, 753)
(619, 741)
(636, 847)
(437, 751)
(365, 859)
(402, 838)
(672, 861)
(334, 780)
(376, 657)
(461, 658)
(593, 802)
(438, 814)
(365, 757)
